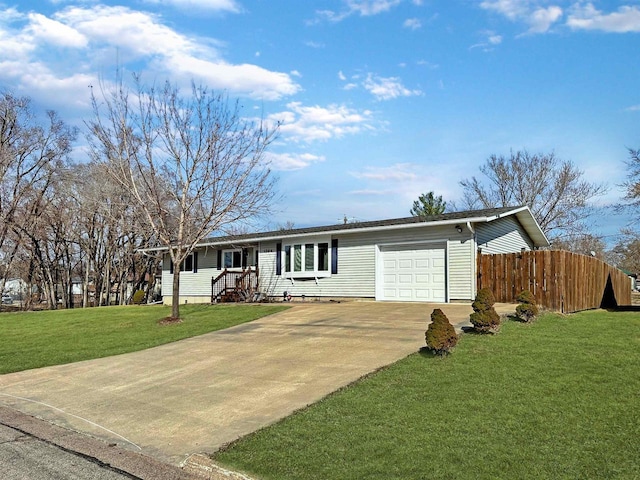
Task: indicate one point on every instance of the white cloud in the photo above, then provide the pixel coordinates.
(53, 32)
(213, 5)
(139, 38)
(313, 44)
(341, 76)
(387, 88)
(364, 8)
(400, 172)
(292, 161)
(633, 108)
(139, 33)
(431, 66)
(511, 9)
(371, 7)
(412, 23)
(540, 19)
(245, 79)
(587, 17)
(308, 124)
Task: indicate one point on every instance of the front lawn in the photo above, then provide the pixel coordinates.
(38, 339)
(555, 399)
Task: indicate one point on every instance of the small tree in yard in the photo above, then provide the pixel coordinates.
(527, 311)
(192, 164)
(484, 318)
(440, 336)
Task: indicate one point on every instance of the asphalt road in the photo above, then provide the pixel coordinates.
(24, 457)
(33, 449)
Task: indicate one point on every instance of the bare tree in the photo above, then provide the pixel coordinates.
(31, 151)
(428, 204)
(626, 252)
(192, 164)
(631, 198)
(585, 244)
(553, 189)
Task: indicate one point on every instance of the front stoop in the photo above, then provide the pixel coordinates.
(203, 466)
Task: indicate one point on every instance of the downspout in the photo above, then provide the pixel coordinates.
(474, 263)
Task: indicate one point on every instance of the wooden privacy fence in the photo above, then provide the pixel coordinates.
(559, 280)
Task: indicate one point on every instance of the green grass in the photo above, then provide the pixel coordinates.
(559, 398)
(39, 339)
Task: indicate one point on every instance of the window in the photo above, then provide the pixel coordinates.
(306, 259)
(232, 259)
(189, 264)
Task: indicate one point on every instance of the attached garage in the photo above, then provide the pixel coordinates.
(412, 273)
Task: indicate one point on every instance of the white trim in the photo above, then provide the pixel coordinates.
(306, 274)
(523, 214)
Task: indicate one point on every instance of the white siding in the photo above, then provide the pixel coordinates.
(194, 286)
(357, 264)
(504, 235)
(462, 270)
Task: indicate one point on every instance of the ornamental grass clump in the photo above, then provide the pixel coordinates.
(484, 318)
(527, 311)
(440, 336)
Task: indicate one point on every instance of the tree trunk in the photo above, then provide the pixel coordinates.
(175, 303)
(85, 284)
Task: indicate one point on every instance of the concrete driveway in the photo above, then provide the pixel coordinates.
(195, 395)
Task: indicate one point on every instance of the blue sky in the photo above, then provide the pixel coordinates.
(380, 100)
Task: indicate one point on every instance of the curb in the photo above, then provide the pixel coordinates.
(110, 456)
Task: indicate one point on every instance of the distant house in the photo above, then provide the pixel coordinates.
(430, 259)
(16, 288)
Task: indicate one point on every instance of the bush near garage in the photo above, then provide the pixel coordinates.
(440, 336)
(484, 318)
(527, 310)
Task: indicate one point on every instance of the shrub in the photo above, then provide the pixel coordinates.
(527, 311)
(484, 318)
(138, 297)
(440, 336)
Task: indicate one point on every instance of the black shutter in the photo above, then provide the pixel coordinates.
(278, 259)
(245, 254)
(334, 256)
(170, 266)
(195, 262)
(219, 259)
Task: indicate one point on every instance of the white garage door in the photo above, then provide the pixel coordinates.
(413, 273)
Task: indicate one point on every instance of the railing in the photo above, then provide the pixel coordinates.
(234, 285)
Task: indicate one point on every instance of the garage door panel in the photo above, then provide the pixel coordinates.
(413, 273)
(405, 264)
(390, 293)
(389, 264)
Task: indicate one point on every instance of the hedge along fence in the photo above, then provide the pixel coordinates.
(559, 280)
